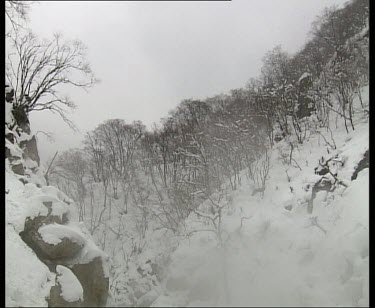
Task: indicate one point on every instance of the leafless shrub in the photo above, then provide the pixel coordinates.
(260, 172)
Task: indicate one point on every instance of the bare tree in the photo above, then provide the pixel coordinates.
(71, 166)
(38, 70)
(260, 172)
(16, 13)
(50, 168)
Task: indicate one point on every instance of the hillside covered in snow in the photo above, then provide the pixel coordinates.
(257, 197)
(274, 251)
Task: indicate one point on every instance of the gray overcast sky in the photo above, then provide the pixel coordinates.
(151, 55)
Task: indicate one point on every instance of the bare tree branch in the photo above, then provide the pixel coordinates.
(38, 71)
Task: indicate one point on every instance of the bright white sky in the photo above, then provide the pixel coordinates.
(151, 55)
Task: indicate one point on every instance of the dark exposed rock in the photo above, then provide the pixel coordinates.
(10, 137)
(13, 158)
(7, 153)
(65, 249)
(364, 163)
(30, 149)
(323, 184)
(56, 300)
(90, 275)
(33, 224)
(23, 181)
(56, 297)
(288, 207)
(94, 283)
(9, 95)
(323, 170)
(31, 236)
(305, 108)
(18, 169)
(305, 83)
(21, 118)
(48, 205)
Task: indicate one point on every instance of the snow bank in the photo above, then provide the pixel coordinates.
(54, 233)
(71, 288)
(28, 281)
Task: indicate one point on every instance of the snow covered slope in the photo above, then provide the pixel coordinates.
(284, 255)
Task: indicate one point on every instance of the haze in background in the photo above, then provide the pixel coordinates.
(151, 55)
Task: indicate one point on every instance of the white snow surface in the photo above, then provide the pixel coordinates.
(283, 257)
(28, 281)
(27, 201)
(54, 233)
(71, 288)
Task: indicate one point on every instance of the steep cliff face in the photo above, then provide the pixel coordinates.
(51, 259)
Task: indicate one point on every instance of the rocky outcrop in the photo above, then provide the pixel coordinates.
(68, 290)
(30, 149)
(59, 242)
(56, 300)
(18, 168)
(55, 243)
(66, 248)
(21, 118)
(95, 284)
(364, 163)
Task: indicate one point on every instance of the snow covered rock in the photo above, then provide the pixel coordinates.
(94, 281)
(33, 238)
(364, 163)
(18, 169)
(58, 241)
(44, 232)
(68, 291)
